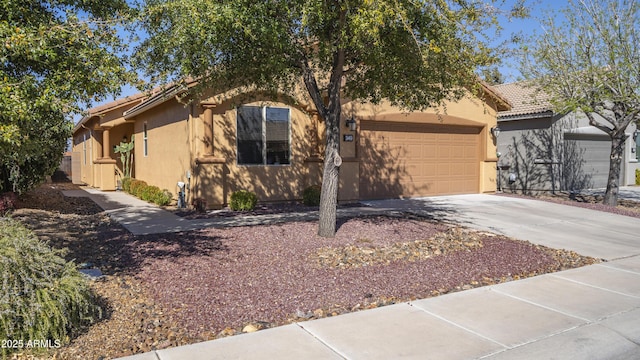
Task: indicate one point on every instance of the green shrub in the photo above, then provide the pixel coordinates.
(43, 296)
(637, 176)
(311, 195)
(126, 183)
(163, 198)
(148, 193)
(243, 200)
(136, 186)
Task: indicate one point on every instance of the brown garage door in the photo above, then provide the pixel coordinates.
(408, 159)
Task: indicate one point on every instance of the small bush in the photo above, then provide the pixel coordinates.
(199, 204)
(7, 202)
(163, 198)
(243, 200)
(43, 296)
(148, 193)
(637, 176)
(126, 183)
(311, 195)
(136, 186)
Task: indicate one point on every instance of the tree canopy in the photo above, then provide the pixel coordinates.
(55, 56)
(414, 54)
(590, 63)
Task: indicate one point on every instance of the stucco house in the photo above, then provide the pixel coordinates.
(542, 150)
(273, 146)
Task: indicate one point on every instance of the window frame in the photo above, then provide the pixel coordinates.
(84, 148)
(263, 128)
(145, 138)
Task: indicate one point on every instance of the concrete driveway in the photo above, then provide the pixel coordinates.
(587, 232)
(625, 192)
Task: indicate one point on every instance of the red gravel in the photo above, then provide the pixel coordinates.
(264, 274)
(174, 289)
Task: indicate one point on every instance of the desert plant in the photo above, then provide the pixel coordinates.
(126, 183)
(243, 200)
(199, 204)
(163, 198)
(148, 193)
(125, 156)
(311, 195)
(43, 296)
(136, 186)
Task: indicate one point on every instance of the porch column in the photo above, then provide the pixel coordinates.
(99, 155)
(106, 143)
(210, 170)
(208, 156)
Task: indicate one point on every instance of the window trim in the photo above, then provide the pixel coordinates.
(84, 148)
(263, 113)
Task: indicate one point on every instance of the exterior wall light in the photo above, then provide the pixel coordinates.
(635, 135)
(351, 124)
(495, 131)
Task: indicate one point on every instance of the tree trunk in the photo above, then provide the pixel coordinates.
(329, 194)
(615, 162)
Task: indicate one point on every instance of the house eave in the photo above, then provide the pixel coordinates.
(154, 101)
(101, 110)
(529, 116)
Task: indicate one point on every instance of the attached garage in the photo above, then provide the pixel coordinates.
(587, 156)
(404, 159)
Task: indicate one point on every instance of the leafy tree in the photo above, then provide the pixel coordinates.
(590, 64)
(55, 56)
(415, 54)
(492, 76)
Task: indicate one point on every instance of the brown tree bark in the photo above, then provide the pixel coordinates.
(330, 178)
(615, 163)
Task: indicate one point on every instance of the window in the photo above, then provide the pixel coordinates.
(145, 137)
(263, 135)
(84, 148)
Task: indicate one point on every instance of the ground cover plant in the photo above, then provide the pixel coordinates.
(43, 298)
(173, 289)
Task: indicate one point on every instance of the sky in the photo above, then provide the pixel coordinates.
(509, 69)
(539, 9)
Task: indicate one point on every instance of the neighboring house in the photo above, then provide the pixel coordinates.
(273, 146)
(545, 151)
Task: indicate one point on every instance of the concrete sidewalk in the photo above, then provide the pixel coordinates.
(587, 313)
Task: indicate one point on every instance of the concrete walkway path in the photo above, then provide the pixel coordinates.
(143, 218)
(587, 313)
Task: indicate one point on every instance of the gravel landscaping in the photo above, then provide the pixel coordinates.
(173, 289)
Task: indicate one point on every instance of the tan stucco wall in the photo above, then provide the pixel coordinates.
(168, 158)
(82, 138)
(269, 182)
(176, 144)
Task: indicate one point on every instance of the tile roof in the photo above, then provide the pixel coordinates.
(525, 99)
(102, 109)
